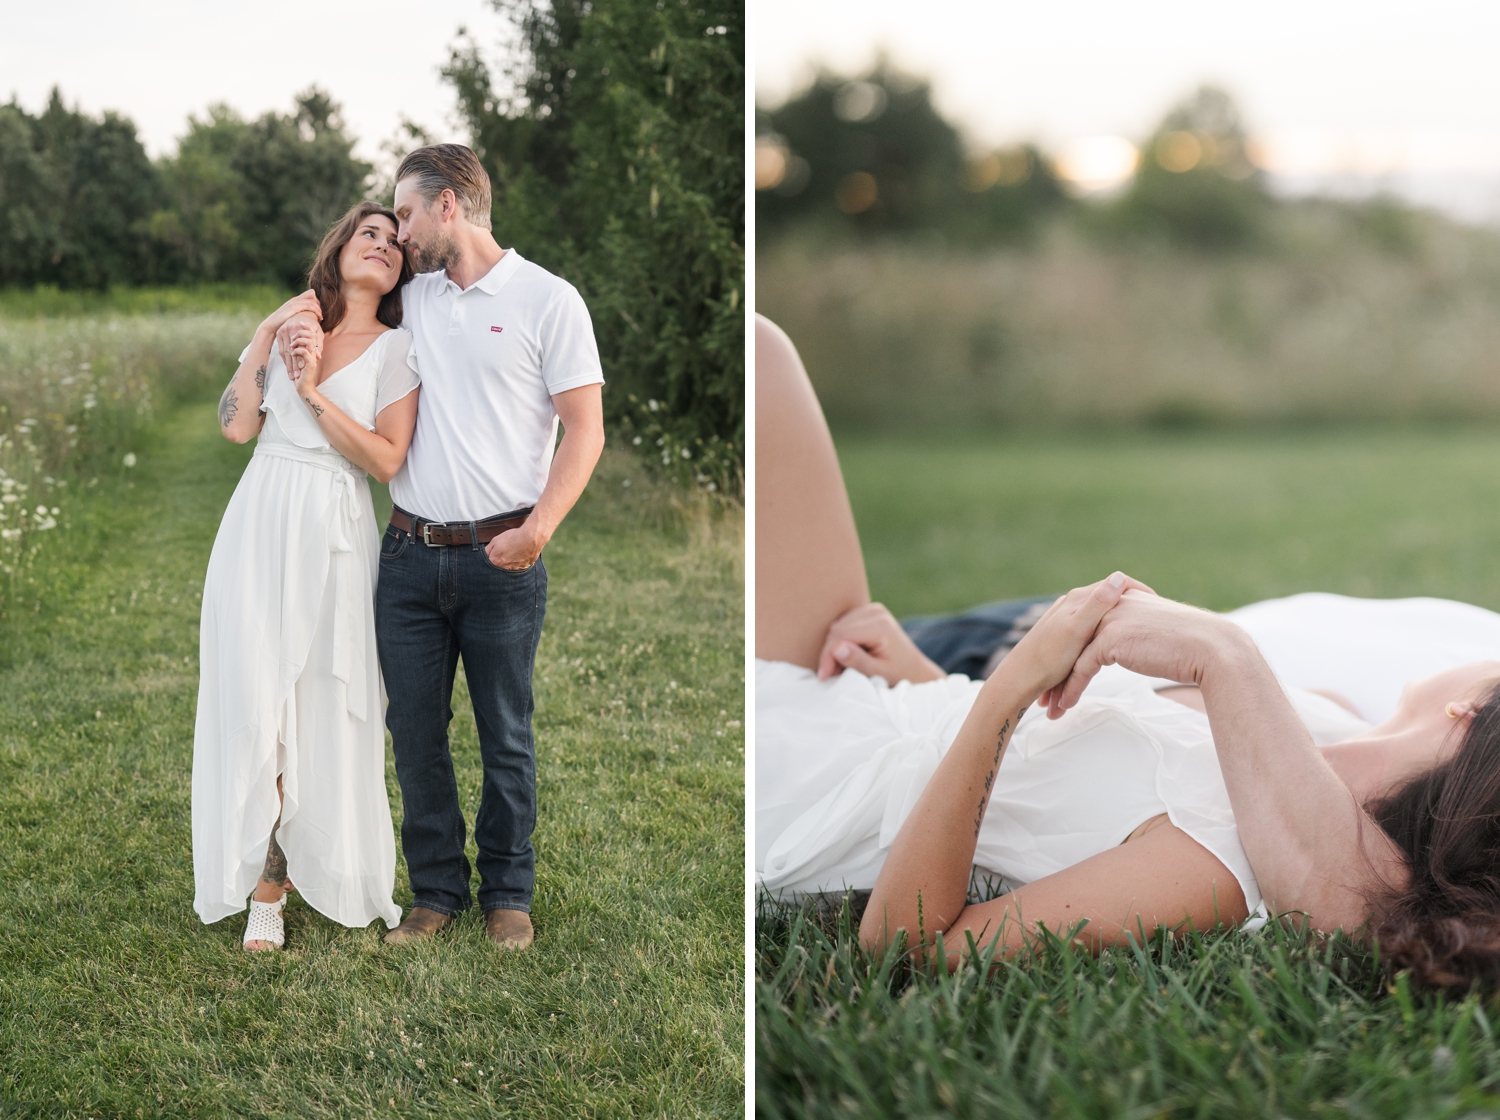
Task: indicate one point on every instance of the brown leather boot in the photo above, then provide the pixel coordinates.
(509, 929)
(418, 925)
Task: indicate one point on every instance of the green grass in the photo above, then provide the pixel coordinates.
(1231, 1024)
(1217, 519)
(115, 1000)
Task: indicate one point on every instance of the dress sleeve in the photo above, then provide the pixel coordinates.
(398, 370)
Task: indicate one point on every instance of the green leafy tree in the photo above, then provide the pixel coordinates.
(618, 163)
(76, 195)
(873, 154)
(252, 199)
(1195, 184)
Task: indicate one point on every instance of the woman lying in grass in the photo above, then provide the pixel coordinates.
(1122, 798)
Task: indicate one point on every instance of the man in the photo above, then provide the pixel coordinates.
(505, 349)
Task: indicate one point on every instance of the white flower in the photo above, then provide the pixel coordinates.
(90, 401)
(636, 441)
(130, 458)
(10, 534)
(47, 523)
(41, 511)
(653, 405)
(686, 454)
(55, 511)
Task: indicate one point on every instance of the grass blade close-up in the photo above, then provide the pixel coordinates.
(116, 1000)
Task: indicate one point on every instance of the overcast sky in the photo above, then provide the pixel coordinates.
(157, 61)
(1331, 85)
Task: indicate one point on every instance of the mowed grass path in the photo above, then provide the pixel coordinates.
(115, 1000)
(1236, 1024)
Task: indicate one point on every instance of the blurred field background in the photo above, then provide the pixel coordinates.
(981, 331)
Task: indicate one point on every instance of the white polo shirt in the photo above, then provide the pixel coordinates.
(491, 359)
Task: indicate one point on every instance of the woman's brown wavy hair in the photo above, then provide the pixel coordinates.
(327, 282)
(1444, 925)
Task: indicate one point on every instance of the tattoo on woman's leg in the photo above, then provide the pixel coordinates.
(275, 869)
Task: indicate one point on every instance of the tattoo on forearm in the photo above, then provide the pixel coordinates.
(229, 404)
(275, 869)
(989, 779)
(260, 379)
(312, 404)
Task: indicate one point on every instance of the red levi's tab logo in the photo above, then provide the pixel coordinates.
(497, 330)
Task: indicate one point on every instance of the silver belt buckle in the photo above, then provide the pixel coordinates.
(427, 535)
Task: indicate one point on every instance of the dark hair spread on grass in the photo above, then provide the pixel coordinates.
(327, 282)
(1445, 925)
(453, 167)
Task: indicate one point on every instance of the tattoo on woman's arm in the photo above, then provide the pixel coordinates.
(989, 779)
(260, 379)
(229, 404)
(312, 404)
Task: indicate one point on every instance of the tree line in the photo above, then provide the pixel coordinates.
(872, 156)
(614, 139)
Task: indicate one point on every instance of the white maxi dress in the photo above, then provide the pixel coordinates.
(290, 681)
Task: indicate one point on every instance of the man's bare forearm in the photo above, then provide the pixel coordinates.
(572, 467)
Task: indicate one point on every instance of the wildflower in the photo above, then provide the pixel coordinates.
(636, 441)
(686, 454)
(653, 405)
(130, 458)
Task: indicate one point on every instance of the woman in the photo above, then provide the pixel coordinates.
(1132, 804)
(289, 748)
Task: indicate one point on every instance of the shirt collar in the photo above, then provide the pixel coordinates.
(493, 280)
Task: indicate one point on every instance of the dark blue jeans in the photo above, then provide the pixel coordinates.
(432, 606)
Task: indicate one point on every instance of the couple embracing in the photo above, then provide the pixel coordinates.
(431, 358)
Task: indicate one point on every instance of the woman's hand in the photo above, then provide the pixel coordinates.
(306, 302)
(869, 639)
(303, 352)
(1154, 637)
(1046, 656)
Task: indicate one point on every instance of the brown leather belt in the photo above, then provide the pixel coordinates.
(444, 535)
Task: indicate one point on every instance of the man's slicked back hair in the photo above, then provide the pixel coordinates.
(453, 167)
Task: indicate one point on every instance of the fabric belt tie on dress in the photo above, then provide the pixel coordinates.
(349, 653)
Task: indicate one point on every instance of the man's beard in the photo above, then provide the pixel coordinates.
(440, 252)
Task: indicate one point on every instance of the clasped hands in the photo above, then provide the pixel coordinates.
(1117, 621)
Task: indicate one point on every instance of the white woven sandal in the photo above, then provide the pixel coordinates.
(265, 922)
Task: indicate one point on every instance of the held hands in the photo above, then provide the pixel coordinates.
(1154, 637)
(304, 304)
(516, 549)
(1046, 657)
(301, 342)
(869, 639)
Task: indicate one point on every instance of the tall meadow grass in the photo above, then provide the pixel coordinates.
(76, 396)
(1329, 319)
